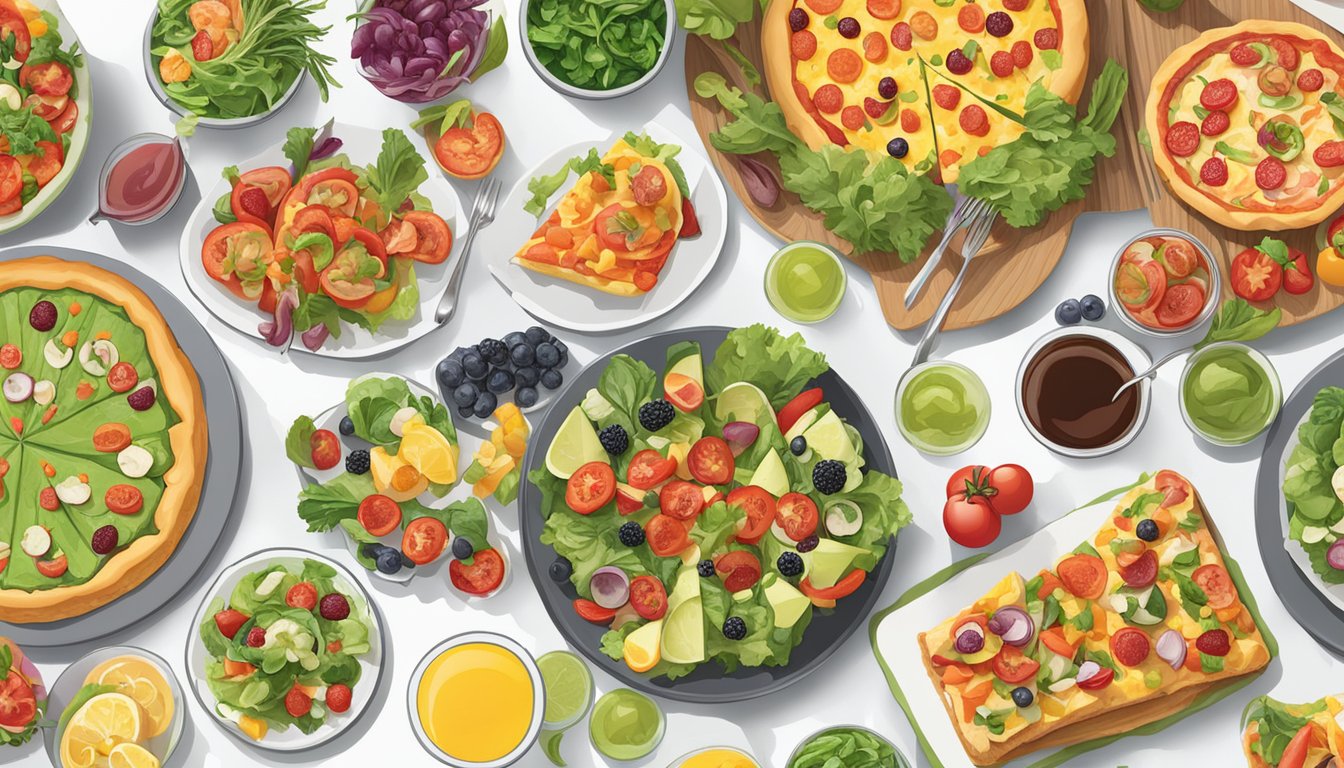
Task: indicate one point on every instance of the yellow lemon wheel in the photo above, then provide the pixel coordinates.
(131, 755)
(104, 721)
(143, 681)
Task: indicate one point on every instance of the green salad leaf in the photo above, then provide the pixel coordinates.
(298, 148)
(1277, 724)
(298, 442)
(48, 47)
(544, 186)
(398, 172)
(1316, 513)
(716, 19)
(846, 748)
(23, 129)
(597, 45)
(1238, 320)
(780, 365)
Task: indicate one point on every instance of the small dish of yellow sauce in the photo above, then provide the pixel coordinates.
(715, 757)
(476, 701)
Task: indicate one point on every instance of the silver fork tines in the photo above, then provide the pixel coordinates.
(965, 211)
(482, 213)
(976, 235)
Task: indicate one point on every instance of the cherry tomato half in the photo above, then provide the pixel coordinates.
(797, 515)
(648, 597)
(482, 577)
(711, 461)
(424, 540)
(648, 468)
(666, 536)
(379, 514)
(759, 507)
(681, 500)
(740, 570)
(471, 153)
(590, 488)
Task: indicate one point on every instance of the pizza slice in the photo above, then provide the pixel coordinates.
(39, 323)
(1279, 735)
(1134, 623)
(966, 126)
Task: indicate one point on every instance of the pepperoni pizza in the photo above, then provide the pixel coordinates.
(930, 82)
(1247, 125)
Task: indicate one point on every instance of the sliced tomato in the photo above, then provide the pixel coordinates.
(46, 165)
(482, 577)
(648, 597)
(314, 218)
(424, 540)
(64, 122)
(49, 78)
(13, 23)
(124, 499)
(471, 153)
(666, 535)
(1012, 666)
(379, 514)
(1140, 285)
(13, 205)
(1083, 576)
(1217, 585)
(681, 500)
(1053, 638)
(1175, 487)
(690, 223)
(711, 461)
(305, 271)
(274, 181)
(302, 595)
(1295, 754)
(590, 611)
(111, 437)
(739, 569)
(1178, 257)
(759, 507)
(435, 238)
(46, 107)
(1255, 275)
(351, 294)
(372, 243)
(843, 588)
(11, 178)
(648, 469)
(226, 244)
(795, 408)
(54, 568)
(590, 488)
(1181, 304)
(797, 515)
(122, 377)
(18, 703)
(229, 621)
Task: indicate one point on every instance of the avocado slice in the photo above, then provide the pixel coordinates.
(770, 475)
(788, 603)
(830, 561)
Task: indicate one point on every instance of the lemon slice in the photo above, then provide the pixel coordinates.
(683, 639)
(643, 647)
(104, 721)
(743, 401)
(131, 755)
(426, 449)
(575, 444)
(143, 681)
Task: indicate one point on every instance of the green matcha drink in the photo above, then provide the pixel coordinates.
(626, 725)
(805, 281)
(942, 408)
(1229, 393)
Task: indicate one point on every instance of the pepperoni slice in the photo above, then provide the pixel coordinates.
(1270, 173)
(1016, 5)
(803, 45)
(910, 121)
(875, 47)
(852, 118)
(1130, 646)
(828, 99)
(824, 7)
(924, 25)
(946, 96)
(971, 18)
(1311, 80)
(1284, 51)
(1001, 63)
(1022, 54)
(1219, 94)
(902, 37)
(1142, 572)
(1245, 56)
(884, 9)
(1046, 39)
(874, 108)
(1215, 123)
(1329, 155)
(1182, 139)
(1214, 172)
(973, 120)
(844, 65)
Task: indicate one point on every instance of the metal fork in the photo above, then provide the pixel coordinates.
(976, 235)
(965, 211)
(482, 213)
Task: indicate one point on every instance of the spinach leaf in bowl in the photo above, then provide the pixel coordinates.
(597, 45)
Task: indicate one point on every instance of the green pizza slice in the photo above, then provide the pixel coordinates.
(44, 356)
(51, 552)
(91, 432)
(9, 543)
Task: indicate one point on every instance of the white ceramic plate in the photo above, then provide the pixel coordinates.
(362, 146)
(579, 308)
(371, 664)
(79, 139)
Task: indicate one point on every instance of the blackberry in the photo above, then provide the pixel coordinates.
(734, 628)
(104, 540)
(614, 439)
(798, 445)
(43, 316)
(705, 568)
(631, 534)
(1147, 530)
(809, 544)
(142, 399)
(347, 426)
(560, 570)
(790, 564)
(828, 476)
(357, 463)
(463, 548)
(656, 414)
(494, 351)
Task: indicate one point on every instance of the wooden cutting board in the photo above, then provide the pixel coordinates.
(1016, 262)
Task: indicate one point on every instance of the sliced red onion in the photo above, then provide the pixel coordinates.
(610, 587)
(740, 435)
(1335, 555)
(278, 332)
(314, 337)
(1171, 648)
(970, 641)
(18, 387)
(1013, 624)
(1087, 670)
(760, 181)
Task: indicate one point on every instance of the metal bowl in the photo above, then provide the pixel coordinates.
(1260, 360)
(156, 87)
(901, 761)
(1210, 298)
(560, 86)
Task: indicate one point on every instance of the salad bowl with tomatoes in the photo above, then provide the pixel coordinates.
(45, 108)
(307, 249)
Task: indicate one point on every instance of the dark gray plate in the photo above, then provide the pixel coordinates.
(1313, 611)
(221, 472)
(708, 684)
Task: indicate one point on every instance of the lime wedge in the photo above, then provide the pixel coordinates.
(743, 401)
(684, 633)
(569, 688)
(829, 439)
(575, 444)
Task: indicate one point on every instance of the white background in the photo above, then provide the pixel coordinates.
(850, 688)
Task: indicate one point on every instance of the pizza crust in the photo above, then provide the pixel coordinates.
(189, 438)
(1229, 217)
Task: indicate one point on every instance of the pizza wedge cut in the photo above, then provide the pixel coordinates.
(1134, 624)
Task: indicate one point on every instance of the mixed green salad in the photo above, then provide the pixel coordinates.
(597, 46)
(284, 648)
(705, 514)
(846, 748)
(1313, 485)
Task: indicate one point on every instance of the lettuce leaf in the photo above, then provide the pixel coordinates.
(780, 365)
(1307, 479)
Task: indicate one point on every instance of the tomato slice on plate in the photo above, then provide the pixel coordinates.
(681, 500)
(12, 23)
(231, 247)
(590, 488)
(1256, 276)
(46, 165)
(590, 611)
(648, 597)
(424, 540)
(1181, 304)
(65, 121)
(797, 515)
(11, 178)
(482, 577)
(1083, 576)
(472, 152)
(274, 181)
(1140, 285)
(379, 514)
(1012, 667)
(795, 408)
(740, 570)
(1178, 256)
(18, 703)
(666, 535)
(1295, 754)
(711, 461)
(648, 468)
(124, 499)
(1217, 584)
(759, 507)
(435, 238)
(50, 78)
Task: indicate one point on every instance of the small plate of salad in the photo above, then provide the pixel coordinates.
(45, 108)
(304, 248)
(208, 59)
(734, 505)
(379, 467)
(286, 650)
(1313, 490)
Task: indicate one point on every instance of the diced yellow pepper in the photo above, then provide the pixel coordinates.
(253, 727)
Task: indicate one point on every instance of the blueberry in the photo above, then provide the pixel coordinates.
(1023, 697)
(465, 411)
(347, 426)
(514, 339)
(1147, 530)
(1068, 312)
(527, 376)
(485, 405)
(493, 351)
(898, 148)
(536, 334)
(798, 445)
(705, 568)
(561, 569)
(1093, 307)
(463, 548)
(449, 373)
(457, 354)
(563, 349)
(465, 395)
(475, 367)
(388, 560)
(526, 397)
(370, 550)
(552, 379)
(499, 381)
(547, 355)
(522, 355)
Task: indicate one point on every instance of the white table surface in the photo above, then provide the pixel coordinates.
(850, 688)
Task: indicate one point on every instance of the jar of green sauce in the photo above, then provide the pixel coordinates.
(1230, 393)
(626, 725)
(942, 408)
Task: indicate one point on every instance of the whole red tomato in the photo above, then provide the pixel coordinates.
(971, 521)
(1297, 277)
(1007, 487)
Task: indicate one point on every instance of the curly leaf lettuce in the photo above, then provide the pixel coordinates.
(780, 365)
